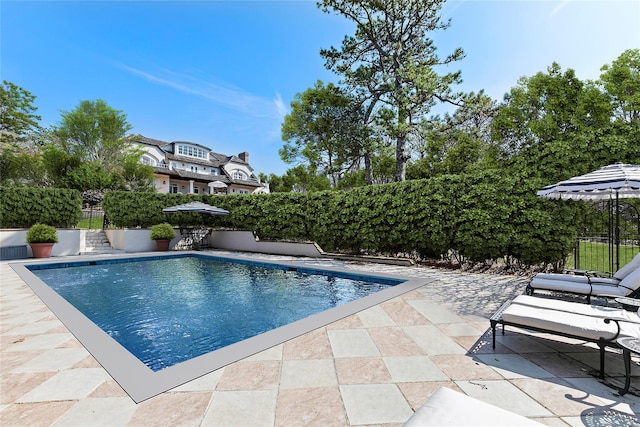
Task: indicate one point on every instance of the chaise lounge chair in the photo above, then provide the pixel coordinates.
(600, 325)
(624, 283)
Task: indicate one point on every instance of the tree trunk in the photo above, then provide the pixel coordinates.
(401, 158)
(368, 170)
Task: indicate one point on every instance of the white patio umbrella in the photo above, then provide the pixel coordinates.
(617, 181)
(198, 207)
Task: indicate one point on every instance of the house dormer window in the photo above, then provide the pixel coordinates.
(239, 175)
(191, 151)
(148, 161)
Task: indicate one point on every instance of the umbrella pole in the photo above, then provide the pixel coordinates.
(617, 233)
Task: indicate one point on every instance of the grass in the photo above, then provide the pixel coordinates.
(94, 223)
(595, 257)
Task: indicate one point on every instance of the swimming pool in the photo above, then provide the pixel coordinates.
(166, 340)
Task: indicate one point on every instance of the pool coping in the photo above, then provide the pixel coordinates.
(138, 380)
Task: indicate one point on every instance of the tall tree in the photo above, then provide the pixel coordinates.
(325, 130)
(17, 113)
(89, 151)
(458, 142)
(390, 61)
(621, 80)
(553, 126)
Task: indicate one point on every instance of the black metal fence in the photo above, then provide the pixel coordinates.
(609, 237)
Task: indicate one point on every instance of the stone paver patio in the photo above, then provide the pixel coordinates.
(375, 367)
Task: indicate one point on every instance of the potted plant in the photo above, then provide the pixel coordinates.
(162, 234)
(41, 238)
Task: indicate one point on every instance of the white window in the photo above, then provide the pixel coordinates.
(146, 160)
(173, 188)
(190, 150)
(239, 175)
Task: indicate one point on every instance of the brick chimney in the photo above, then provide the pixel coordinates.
(244, 156)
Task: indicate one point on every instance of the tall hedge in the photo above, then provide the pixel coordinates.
(478, 217)
(21, 207)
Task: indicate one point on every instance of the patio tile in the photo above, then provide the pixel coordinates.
(54, 360)
(313, 345)
(432, 340)
(628, 403)
(104, 412)
(349, 322)
(67, 385)
(308, 373)
(254, 408)
(17, 385)
(504, 395)
(352, 343)
(417, 393)
(172, 409)
(375, 404)
(320, 406)
(109, 388)
(435, 313)
(207, 382)
(558, 396)
(513, 366)
(34, 414)
(40, 327)
(560, 364)
(375, 317)
(38, 342)
(393, 341)
(12, 359)
(413, 369)
(273, 353)
(460, 330)
(464, 368)
(362, 371)
(402, 313)
(250, 376)
(521, 343)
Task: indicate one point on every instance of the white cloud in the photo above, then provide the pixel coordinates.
(280, 106)
(224, 95)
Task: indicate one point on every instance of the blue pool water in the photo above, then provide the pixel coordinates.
(169, 310)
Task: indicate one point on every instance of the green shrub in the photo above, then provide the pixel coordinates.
(42, 233)
(478, 217)
(162, 231)
(21, 207)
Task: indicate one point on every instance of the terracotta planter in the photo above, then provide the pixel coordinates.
(162, 245)
(41, 250)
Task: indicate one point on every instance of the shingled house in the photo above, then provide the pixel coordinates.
(190, 168)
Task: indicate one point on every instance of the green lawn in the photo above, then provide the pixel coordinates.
(96, 223)
(596, 257)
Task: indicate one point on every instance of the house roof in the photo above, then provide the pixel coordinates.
(216, 160)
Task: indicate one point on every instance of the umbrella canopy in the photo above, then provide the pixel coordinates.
(198, 207)
(618, 180)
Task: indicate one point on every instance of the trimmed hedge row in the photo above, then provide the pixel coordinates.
(479, 217)
(21, 207)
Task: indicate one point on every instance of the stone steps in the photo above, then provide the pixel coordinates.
(96, 242)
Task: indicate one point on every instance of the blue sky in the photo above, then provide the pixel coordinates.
(223, 73)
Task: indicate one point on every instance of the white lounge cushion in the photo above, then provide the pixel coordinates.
(562, 322)
(632, 281)
(628, 268)
(578, 308)
(450, 408)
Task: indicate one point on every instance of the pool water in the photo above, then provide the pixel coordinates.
(169, 310)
